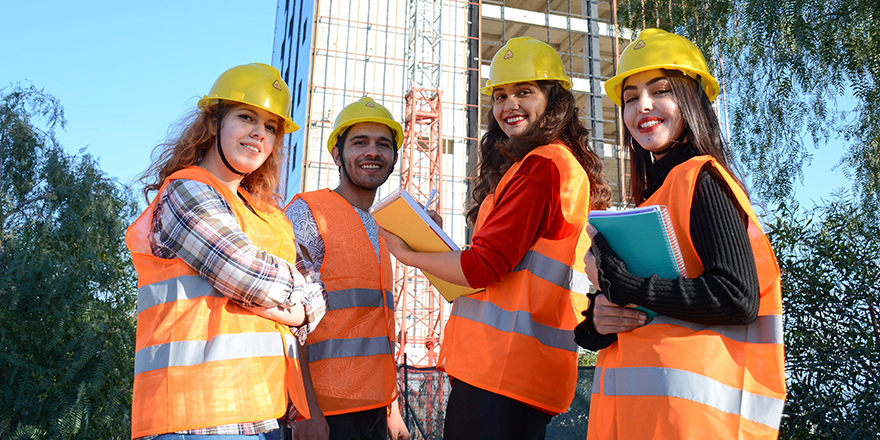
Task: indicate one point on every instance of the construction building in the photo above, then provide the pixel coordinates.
(425, 61)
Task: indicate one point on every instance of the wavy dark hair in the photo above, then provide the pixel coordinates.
(702, 130)
(560, 123)
(191, 138)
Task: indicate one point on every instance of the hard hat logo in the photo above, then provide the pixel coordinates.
(276, 85)
(508, 55)
(371, 105)
(639, 44)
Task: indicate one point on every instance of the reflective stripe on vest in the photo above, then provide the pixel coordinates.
(765, 329)
(554, 272)
(357, 297)
(656, 381)
(174, 289)
(517, 321)
(339, 348)
(219, 348)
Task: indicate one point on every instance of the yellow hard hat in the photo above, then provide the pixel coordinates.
(256, 84)
(364, 110)
(658, 49)
(524, 59)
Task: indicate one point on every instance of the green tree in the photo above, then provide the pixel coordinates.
(830, 261)
(587, 358)
(67, 287)
(784, 66)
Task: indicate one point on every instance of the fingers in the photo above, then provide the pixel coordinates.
(591, 270)
(392, 241)
(610, 318)
(436, 217)
(591, 230)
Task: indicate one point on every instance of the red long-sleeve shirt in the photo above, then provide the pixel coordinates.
(527, 209)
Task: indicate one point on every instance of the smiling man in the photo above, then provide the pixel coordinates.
(351, 376)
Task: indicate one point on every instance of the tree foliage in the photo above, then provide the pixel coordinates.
(67, 287)
(785, 64)
(830, 260)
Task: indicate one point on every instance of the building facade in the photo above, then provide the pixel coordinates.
(425, 61)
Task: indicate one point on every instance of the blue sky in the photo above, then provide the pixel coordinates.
(126, 71)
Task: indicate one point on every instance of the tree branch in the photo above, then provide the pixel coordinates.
(873, 314)
(23, 205)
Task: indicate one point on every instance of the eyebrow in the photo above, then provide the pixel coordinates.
(524, 83)
(651, 82)
(363, 136)
(253, 112)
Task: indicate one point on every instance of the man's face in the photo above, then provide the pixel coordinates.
(368, 155)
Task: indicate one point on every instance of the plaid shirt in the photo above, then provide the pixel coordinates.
(193, 222)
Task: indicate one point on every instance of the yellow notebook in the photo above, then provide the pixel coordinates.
(401, 215)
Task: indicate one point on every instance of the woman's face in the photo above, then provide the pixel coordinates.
(650, 111)
(247, 135)
(518, 106)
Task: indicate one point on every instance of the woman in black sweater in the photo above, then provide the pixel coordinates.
(711, 365)
(725, 293)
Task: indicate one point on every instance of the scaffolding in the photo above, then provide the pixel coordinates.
(418, 59)
(425, 60)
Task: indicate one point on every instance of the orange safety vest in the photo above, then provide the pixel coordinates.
(678, 379)
(201, 360)
(351, 353)
(515, 338)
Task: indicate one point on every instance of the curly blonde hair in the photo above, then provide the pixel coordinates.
(191, 138)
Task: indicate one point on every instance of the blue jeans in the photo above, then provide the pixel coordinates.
(271, 435)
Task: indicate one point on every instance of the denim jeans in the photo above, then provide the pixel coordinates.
(271, 435)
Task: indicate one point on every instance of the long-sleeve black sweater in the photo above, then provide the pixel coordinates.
(726, 292)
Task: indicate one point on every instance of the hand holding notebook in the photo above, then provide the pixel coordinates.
(644, 239)
(400, 214)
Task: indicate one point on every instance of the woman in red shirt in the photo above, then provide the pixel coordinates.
(509, 348)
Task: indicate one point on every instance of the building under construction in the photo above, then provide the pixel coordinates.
(425, 61)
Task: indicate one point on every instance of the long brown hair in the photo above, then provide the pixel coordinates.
(191, 138)
(701, 129)
(560, 122)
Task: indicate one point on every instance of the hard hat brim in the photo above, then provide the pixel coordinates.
(487, 89)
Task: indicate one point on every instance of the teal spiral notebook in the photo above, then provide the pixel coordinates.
(644, 239)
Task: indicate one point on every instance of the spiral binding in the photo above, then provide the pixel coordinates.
(672, 242)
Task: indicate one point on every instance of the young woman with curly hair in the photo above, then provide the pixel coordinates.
(509, 348)
(219, 284)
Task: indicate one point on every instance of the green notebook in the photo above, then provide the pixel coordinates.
(644, 239)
